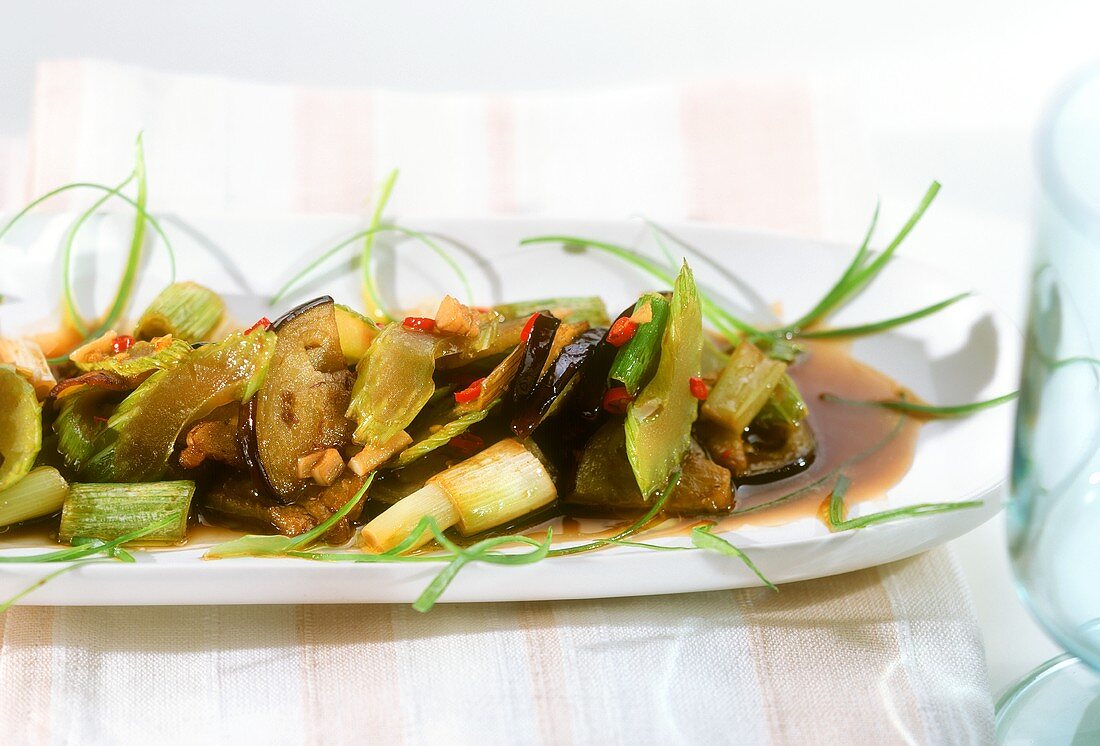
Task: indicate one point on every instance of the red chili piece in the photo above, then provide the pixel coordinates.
(419, 323)
(122, 343)
(616, 400)
(621, 332)
(470, 393)
(466, 444)
(264, 323)
(528, 327)
(699, 388)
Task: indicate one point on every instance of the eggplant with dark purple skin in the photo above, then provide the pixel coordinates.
(536, 350)
(605, 485)
(554, 383)
(301, 407)
(588, 396)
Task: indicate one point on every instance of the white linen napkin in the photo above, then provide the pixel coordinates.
(885, 655)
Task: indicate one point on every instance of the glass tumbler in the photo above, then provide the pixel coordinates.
(1054, 511)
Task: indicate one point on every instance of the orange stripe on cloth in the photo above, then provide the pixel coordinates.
(56, 126)
(349, 673)
(500, 145)
(334, 150)
(26, 674)
(819, 677)
(550, 687)
(749, 155)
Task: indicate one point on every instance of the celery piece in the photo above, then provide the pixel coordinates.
(39, 493)
(393, 383)
(141, 358)
(568, 310)
(82, 417)
(785, 405)
(658, 422)
(108, 511)
(185, 310)
(635, 360)
(743, 388)
(20, 426)
(143, 431)
(440, 437)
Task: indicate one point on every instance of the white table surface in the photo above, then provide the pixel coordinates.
(945, 90)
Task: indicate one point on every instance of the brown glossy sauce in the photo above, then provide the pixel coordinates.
(873, 447)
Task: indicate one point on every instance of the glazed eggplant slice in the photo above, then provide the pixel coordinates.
(301, 407)
(536, 352)
(552, 386)
(605, 483)
(763, 452)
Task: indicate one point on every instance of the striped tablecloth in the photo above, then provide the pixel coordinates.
(884, 655)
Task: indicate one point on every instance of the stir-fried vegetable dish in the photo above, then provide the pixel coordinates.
(383, 432)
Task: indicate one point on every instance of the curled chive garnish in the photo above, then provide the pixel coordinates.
(863, 268)
(925, 410)
(880, 326)
(837, 522)
(375, 307)
(726, 323)
(78, 554)
(702, 538)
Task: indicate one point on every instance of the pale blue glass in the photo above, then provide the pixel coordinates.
(1054, 511)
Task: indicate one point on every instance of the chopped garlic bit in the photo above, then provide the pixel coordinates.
(642, 315)
(456, 318)
(370, 458)
(329, 466)
(96, 350)
(29, 361)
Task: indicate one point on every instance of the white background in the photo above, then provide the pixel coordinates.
(946, 89)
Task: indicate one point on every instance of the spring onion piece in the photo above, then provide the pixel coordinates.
(489, 489)
(271, 546)
(569, 310)
(143, 432)
(443, 435)
(185, 310)
(20, 426)
(635, 360)
(926, 410)
(108, 511)
(881, 326)
(835, 515)
(659, 420)
(702, 538)
(393, 383)
(862, 269)
(42, 492)
(743, 388)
